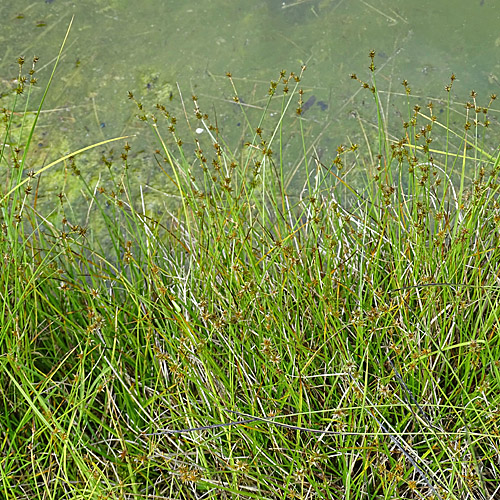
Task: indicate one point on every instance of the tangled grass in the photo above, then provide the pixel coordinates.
(340, 342)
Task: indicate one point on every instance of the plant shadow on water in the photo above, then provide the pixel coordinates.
(340, 339)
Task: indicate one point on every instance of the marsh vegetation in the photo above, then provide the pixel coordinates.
(335, 341)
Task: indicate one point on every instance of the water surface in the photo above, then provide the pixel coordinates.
(156, 48)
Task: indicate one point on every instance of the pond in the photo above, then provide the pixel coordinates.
(164, 49)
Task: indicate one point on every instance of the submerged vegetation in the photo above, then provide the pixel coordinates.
(340, 341)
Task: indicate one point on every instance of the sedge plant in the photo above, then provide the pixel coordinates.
(250, 342)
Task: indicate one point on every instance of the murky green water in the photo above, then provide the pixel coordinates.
(156, 47)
